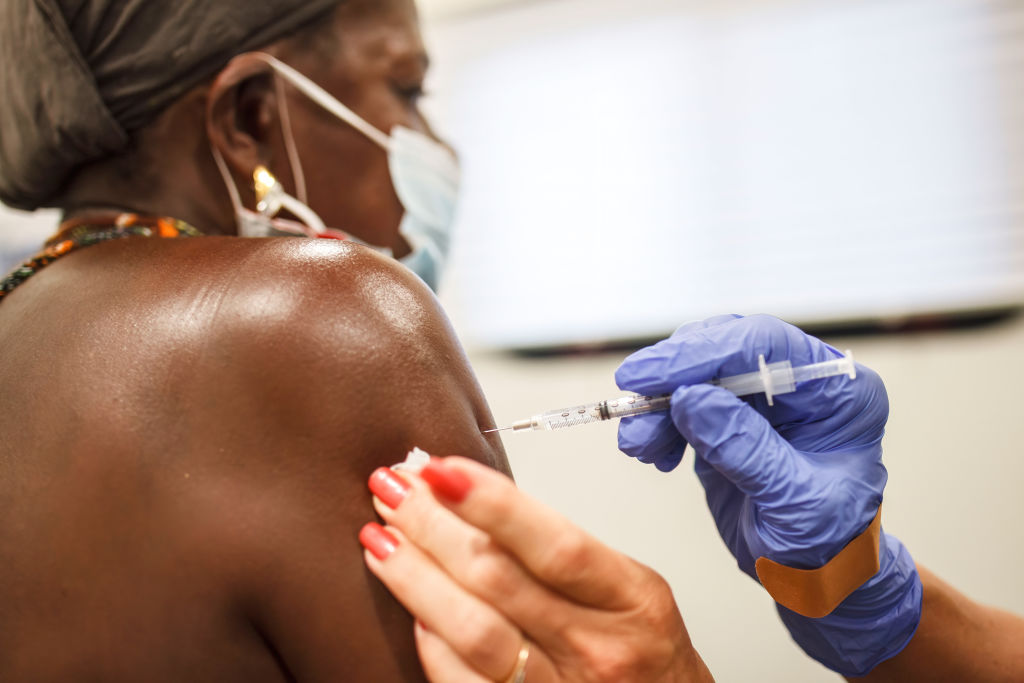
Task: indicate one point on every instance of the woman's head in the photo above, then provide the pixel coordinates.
(124, 111)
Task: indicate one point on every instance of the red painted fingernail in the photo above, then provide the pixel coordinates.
(447, 483)
(389, 487)
(378, 541)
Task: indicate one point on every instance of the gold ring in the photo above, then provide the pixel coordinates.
(518, 674)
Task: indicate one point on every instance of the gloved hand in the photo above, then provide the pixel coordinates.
(794, 482)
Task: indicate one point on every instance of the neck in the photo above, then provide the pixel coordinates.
(176, 185)
(207, 223)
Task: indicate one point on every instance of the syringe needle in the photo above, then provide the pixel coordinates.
(491, 431)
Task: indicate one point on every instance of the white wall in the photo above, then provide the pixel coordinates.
(824, 160)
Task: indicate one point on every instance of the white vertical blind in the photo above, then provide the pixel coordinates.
(633, 165)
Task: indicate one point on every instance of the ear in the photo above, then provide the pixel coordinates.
(242, 116)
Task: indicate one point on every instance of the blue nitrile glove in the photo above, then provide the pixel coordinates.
(794, 483)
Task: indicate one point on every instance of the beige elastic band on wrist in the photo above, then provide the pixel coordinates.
(816, 592)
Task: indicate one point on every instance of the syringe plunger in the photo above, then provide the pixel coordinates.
(773, 379)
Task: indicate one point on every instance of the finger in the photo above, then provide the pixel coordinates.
(725, 502)
(478, 564)
(650, 438)
(478, 633)
(442, 664)
(728, 348)
(634, 369)
(686, 328)
(669, 461)
(548, 545)
(737, 441)
(848, 413)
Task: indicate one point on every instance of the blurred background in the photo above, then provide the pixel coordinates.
(633, 165)
(842, 164)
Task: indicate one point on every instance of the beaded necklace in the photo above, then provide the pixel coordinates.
(85, 232)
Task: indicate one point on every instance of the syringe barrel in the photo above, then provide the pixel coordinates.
(614, 408)
(741, 385)
(567, 417)
(628, 406)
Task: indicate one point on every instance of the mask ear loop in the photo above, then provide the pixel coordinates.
(328, 102)
(300, 210)
(297, 205)
(331, 104)
(222, 166)
(298, 175)
(314, 225)
(325, 100)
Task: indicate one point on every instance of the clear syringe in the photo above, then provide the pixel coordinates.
(771, 379)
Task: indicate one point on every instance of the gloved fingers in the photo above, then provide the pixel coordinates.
(697, 354)
(687, 328)
(667, 462)
(736, 440)
(650, 438)
(634, 372)
(716, 485)
(727, 505)
(857, 411)
(724, 500)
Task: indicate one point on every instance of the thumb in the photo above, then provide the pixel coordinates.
(737, 441)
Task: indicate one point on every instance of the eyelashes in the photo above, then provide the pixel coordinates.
(411, 94)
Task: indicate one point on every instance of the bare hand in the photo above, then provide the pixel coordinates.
(488, 571)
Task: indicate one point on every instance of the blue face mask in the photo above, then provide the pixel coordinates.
(426, 178)
(425, 175)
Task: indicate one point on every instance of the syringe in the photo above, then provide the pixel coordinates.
(771, 379)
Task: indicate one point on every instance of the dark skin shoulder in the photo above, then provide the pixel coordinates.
(186, 431)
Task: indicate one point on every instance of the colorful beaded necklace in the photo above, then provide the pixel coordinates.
(85, 232)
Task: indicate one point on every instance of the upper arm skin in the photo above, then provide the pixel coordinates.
(343, 364)
(957, 640)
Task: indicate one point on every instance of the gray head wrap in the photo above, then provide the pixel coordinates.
(77, 77)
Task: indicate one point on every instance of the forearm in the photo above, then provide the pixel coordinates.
(957, 640)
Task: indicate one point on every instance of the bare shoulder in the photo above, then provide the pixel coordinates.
(253, 385)
(341, 362)
(313, 291)
(257, 339)
(334, 288)
(359, 344)
(326, 361)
